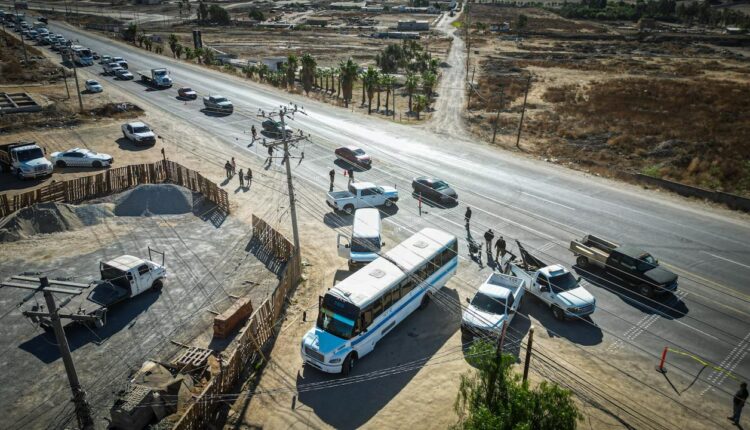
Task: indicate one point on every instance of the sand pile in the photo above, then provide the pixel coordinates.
(154, 199)
(48, 218)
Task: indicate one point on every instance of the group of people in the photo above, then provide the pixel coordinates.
(245, 177)
(489, 236)
(332, 175)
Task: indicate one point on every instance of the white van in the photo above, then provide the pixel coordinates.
(365, 243)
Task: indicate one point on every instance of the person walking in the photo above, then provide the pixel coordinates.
(228, 168)
(332, 175)
(234, 167)
(350, 172)
(467, 216)
(488, 236)
(242, 179)
(270, 155)
(254, 132)
(500, 248)
(738, 402)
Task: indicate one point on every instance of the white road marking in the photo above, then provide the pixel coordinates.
(726, 259)
(548, 201)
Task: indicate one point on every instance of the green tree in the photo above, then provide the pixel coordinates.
(523, 20)
(208, 56)
(218, 14)
(256, 14)
(173, 42)
(141, 40)
(349, 71)
(371, 78)
(420, 104)
(263, 71)
(291, 69)
(308, 72)
(387, 82)
(130, 33)
(411, 84)
(202, 11)
(428, 84)
(494, 397)
(178, 50)
(198, 53)
(189, 54)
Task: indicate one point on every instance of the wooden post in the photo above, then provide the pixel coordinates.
(523, 111)
(527, 359)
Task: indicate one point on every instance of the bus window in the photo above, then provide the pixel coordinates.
(377, 308)
(396, 295)
(387, 297)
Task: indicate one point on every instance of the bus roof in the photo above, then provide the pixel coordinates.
(366, 223)
(369, 282)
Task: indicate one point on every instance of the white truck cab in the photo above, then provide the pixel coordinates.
(494, 305)
(366, 242)
(133, 275)
(559, 289)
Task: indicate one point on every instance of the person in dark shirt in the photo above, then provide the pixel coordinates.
(740, 397)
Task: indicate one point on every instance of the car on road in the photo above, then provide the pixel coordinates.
(218, 104)
(105, 59)
(435, 190)
(494, 305)
(93, 86)
(120, 61)
(110, 68)
(361, 195)
(354, 155)
(139, 133)
(274, 127)
(123, 74)
(81, 157)
(187, 93)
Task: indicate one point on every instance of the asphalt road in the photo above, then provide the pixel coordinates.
(543, 205)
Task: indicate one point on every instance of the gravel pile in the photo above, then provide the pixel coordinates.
(154, 199)
(46, 218)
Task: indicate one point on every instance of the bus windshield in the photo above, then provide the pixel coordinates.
(335, 324)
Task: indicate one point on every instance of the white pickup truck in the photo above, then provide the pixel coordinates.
(554, 285)
(494, 304)
(362, 195)
(25, 160)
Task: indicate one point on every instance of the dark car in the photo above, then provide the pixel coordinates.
(187, 93)
(353, 155)
(435, 190)
(274, 127)
(638, 268)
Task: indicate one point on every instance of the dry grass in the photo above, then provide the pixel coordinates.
(12, 67)
(694, 131)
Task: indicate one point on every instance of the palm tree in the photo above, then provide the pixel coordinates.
(198, 52)
(428, 83)
(291, 69)
(263, 71)
(308, 72)
(420, 103)
(189, 53)
(387, 83)
(348, 76)
(338, 90)
(173, 42)
(372, 76)
(364, 86)
(178, 50)
(411, 84)
(334, 74)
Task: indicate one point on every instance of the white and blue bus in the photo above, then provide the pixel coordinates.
(360, 310)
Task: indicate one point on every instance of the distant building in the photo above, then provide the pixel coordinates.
(318, 22)
(503, 28)
(735, 30)
(373, 9)
(413, 25)
(410, 9)
(396, 35)
(274, 63)
(149, 1)
(348, 5)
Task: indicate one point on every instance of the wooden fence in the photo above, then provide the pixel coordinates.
(257, 332)
(113, 181)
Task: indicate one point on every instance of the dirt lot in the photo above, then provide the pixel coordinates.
(604, 99)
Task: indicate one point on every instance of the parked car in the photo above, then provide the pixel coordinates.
(354, 155)
(94, 86)
(123, 74)
(95, 55)
(187, 93)
(274, 127)
(81, 157)
(139, 133)
(435, 190)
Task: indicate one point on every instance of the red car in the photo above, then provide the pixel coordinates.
(354, 155)
(187, 93)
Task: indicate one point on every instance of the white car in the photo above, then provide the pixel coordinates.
(94, 86)
(120, 61)
(81, 157)
(139, 133)
(105, 59)
(111, 68)
(123, 74)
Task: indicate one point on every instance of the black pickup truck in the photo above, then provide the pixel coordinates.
(635, 267)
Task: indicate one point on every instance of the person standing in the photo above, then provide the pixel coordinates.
(467, 216)
(738, 402)
(234, 167)
(350, 172)
(249, 176)
(488, 236)
(228, 168)
(254, 132)
(242, 179)
(499, 248)
(332, 175)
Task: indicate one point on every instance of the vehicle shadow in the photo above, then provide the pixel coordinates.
(667, 305)
(119, 317)
(345, 165)
(428, 202)
(11, 182)
(414, 341)
(582, 331)
(514, 335)
(128, 145)
(209, 112)
(185, 99)
(79, 169)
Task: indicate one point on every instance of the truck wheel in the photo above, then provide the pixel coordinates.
(582, 261)
(157, 285)
(349, 209)
(125, 136)
(425, 302)
(388, 203)
(60, 163)
(646, 290)
(349, 363)
(558, 313)
(19, 175)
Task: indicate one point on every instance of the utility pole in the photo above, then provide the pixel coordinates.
(285, 141)
(471, 87)
(23, 39)
(53, 318)
(65, 78)
(75, 76)
(527, 359)
(467, 22)
(523, 111)
(497, 117)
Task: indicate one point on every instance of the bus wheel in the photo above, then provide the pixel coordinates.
(348, 365)
(425, 301)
